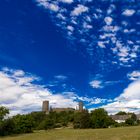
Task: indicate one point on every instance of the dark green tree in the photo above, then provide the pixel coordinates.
(37, 118)
(23, 123)
(134, 117)
(129, 121)
(3, 112)
(47, 123)
(82, 119)
(7, 127)
(100, 119)
(132, 121)
(121, 113)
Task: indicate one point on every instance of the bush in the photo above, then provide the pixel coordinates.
(23, 124)
(100, 119)
(81, 120)
(7, 127)
(47, 124)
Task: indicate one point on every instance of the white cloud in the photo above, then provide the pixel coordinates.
(60, 77)
(128, 12)
(66, 1)
(101, 44)
(108, 20)
(60, 16)
(53, 7)
(47, 5)
(70, 28)
(111, 9)
(83, 19)
(96, 84)
(87, 26)
(79, 10)
(128, 101)
(123, 52)
(135, 75)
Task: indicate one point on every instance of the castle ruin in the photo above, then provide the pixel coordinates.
(46, 108)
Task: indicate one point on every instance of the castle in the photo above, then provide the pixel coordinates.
(47, 109)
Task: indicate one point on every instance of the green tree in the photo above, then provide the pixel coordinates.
(129, 121)
(134, 117)
(7, 127)
(3, 112)
(23, 123)
(63, 118)
(37, 118)
(132, 121)
(48, 123)
(82, 119)
(121, 113)
(100, 119)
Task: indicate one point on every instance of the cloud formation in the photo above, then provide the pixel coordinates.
(21, 94)
(128, 101)
(96, 84)
(101, 28)
(135, 75)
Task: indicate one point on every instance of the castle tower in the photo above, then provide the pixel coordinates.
(45, 106)
(80, 106)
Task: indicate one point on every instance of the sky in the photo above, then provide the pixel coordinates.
(67, 51)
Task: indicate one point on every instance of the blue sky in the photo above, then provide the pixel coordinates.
(69, 51)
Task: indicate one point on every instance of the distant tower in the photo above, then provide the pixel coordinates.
(80, 106)
(45, 106)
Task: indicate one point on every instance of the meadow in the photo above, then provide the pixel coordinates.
(123, 133)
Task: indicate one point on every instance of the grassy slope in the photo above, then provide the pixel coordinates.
(126, 133)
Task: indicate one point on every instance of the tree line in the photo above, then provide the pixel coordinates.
(27, 123)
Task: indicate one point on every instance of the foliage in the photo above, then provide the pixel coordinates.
(7, 127)
(81, 119)
(23, 123)
(100, 119)
(129, 121)
(37, 118)
(3, 112)
(132, 121)
(134, 117)
(121, 113)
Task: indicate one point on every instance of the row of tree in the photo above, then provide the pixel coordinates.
(18, 124)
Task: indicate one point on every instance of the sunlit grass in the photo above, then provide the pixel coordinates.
(124, 133)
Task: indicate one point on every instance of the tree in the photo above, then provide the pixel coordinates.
(23, 123)
(132, 121)
(82, 119)
(100, 119)
(37, 118)
(3, 124)
(7, 127)
(63, 118)
(3, 112)
(46, 124)
(121, 113)
(129, 121)
(134, 117)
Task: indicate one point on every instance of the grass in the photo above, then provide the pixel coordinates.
(125, 133)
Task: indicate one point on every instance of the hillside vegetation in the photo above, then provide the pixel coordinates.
(124, 133)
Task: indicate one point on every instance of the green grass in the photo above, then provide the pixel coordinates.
(125, 133)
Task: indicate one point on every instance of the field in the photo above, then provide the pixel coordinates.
(126, 133)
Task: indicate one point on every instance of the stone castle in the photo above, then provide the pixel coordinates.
(47, 109)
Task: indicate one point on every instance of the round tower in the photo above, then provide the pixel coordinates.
(45, 106)
(80, 106)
